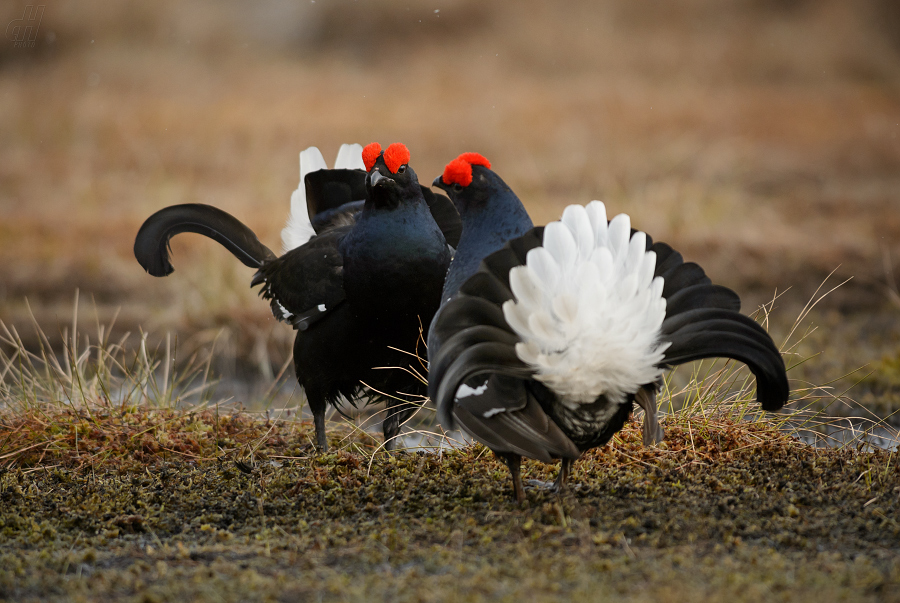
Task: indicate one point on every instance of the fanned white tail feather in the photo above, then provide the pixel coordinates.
(349, 157)
(299, 229)
(588, 309)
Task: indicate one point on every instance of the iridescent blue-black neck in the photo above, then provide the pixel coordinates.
(395, 257)
(491, 215)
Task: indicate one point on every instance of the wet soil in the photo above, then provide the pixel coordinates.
(229, 508)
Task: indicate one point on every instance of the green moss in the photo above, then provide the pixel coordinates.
(736, 512)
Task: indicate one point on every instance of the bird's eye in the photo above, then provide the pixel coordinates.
(401, 169)
(457, 187)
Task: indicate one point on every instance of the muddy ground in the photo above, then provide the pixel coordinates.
(718, 512)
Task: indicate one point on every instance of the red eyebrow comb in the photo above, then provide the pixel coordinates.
(396, 155)
(370, 154)
(459, 171)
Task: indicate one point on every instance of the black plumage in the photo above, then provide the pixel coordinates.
(358, 292)
(151, 246)
(335, 197)
(478, 380)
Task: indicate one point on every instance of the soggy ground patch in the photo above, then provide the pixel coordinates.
(168, 506)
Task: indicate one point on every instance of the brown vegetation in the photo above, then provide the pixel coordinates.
(157, 505)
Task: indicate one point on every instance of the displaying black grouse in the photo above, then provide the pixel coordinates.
(491, 215)
(547, 344)
(358, 292)
(332, 197)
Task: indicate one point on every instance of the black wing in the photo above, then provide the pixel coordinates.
(307, 283)
(151, 246)
(483, 388)
(505, 416)
(344, 215)
(477, 350)
(330, 189)
(334, 197)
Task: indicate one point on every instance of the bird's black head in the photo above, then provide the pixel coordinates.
(469, 182)
(390, 181)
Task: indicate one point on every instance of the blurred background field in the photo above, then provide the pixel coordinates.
(759, 137)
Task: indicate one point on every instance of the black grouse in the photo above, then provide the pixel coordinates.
(331, 197)
(547, 343)
(358, 291)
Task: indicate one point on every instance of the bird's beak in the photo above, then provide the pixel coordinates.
(376, 177)
(439, 182)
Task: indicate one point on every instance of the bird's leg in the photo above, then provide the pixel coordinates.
(397, 414)
(646, 399)
(514, 462)
(321, 439)
(559, 484)
(391, 427)
(565, 468)
(318, 406)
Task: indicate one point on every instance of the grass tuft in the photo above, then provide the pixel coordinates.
(121, 477)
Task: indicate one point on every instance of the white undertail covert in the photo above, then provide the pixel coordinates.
(588, 308)
(299, 229)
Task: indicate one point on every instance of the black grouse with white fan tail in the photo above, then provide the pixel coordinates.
(359, 278)
(547, 344)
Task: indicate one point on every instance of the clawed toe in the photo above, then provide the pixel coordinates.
(542, 485)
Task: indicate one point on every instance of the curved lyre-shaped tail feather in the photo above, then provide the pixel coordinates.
(716, 333)
(151, 246)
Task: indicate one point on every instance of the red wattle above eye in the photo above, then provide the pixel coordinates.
(396, 155)
(458, 172)
(370, 154)
(475, 159)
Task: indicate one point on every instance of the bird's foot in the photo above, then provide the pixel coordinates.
(553, 487)
(538, 484)
(322, 444)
